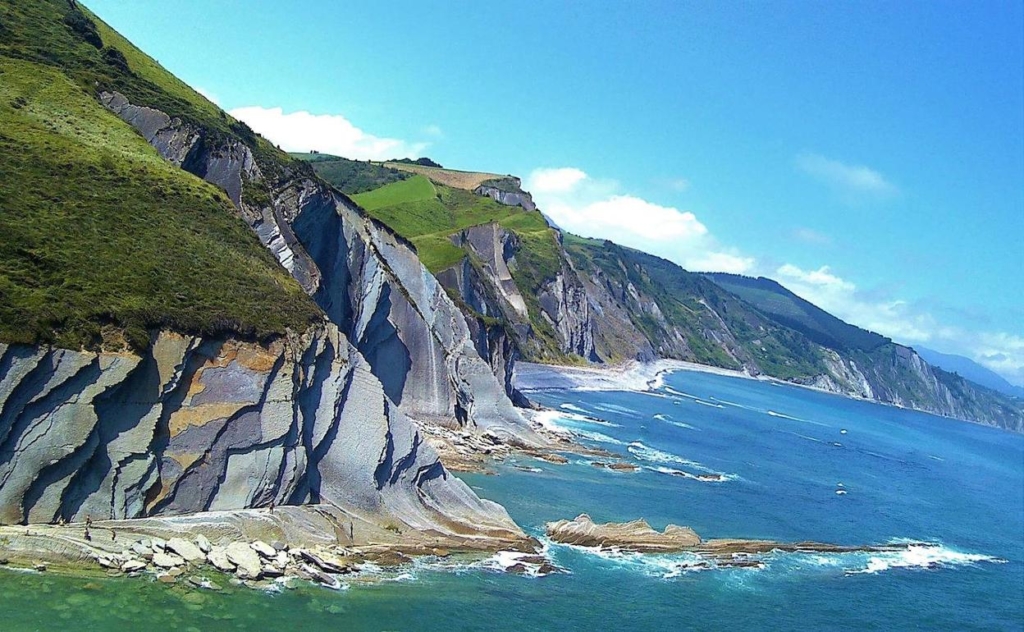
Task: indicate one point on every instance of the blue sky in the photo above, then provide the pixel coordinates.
(868, 155)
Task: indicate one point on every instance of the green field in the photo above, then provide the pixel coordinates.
(101, 240)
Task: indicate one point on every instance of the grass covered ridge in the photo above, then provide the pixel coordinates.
(427, 214)
(351, 176)
(102, 240)
(465, 180)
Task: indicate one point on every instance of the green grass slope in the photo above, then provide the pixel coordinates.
(101, 240)
(772, 299)
(428, 214)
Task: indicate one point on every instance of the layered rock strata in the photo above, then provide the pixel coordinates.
(212, 424)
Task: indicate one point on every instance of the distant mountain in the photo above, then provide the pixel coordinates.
(791, 310)
(971, 370)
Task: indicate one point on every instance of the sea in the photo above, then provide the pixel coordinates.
(729, 457)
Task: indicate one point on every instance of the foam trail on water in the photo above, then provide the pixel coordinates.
(574, 408)
(653, 455)
(792, 418)
(922, 556)
(597, 436)
(716, 477)
(673, 422)
(613, 408)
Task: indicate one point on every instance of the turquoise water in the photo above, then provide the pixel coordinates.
(782, 454)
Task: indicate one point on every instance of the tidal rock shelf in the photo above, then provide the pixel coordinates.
(638, 536)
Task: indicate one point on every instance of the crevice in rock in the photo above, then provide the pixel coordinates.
(43, 411)
(141, 385)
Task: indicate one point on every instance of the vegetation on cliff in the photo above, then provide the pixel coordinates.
(101, 239)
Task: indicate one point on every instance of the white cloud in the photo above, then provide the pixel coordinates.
(433, 131)
(620, 214)
(326, 133)
(598, 208)
(721, 262)
(560, 180)
(679, 184)
(848, 180)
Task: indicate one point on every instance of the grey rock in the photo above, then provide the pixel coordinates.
(167, 560)
(219, 559)
(186, 550)
(264, 549)
(203, 543)
(132, 566)
(245, 559)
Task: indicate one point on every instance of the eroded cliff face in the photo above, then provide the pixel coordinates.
(207, 424)
(486, 284)
(369, 282)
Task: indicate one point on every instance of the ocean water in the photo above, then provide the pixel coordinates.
(956, 490)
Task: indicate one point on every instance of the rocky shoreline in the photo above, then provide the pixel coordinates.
(466, 451)
(257, 548)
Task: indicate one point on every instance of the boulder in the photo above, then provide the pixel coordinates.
(245, 559)
(167, 560)
(264, 549)
(203, 543)
(219, 558)
(132, 566)
(188, 551)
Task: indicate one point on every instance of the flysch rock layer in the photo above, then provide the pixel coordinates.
(199, 425)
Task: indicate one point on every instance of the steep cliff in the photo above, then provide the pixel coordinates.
(553, 297)
(369, 281)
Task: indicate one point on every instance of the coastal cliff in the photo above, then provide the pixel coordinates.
(244, 339)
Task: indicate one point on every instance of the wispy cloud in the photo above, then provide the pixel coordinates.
(679, 184)
(848, 180)
(327, 133)
(596, 207)
(811, 236)
(433, 131)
